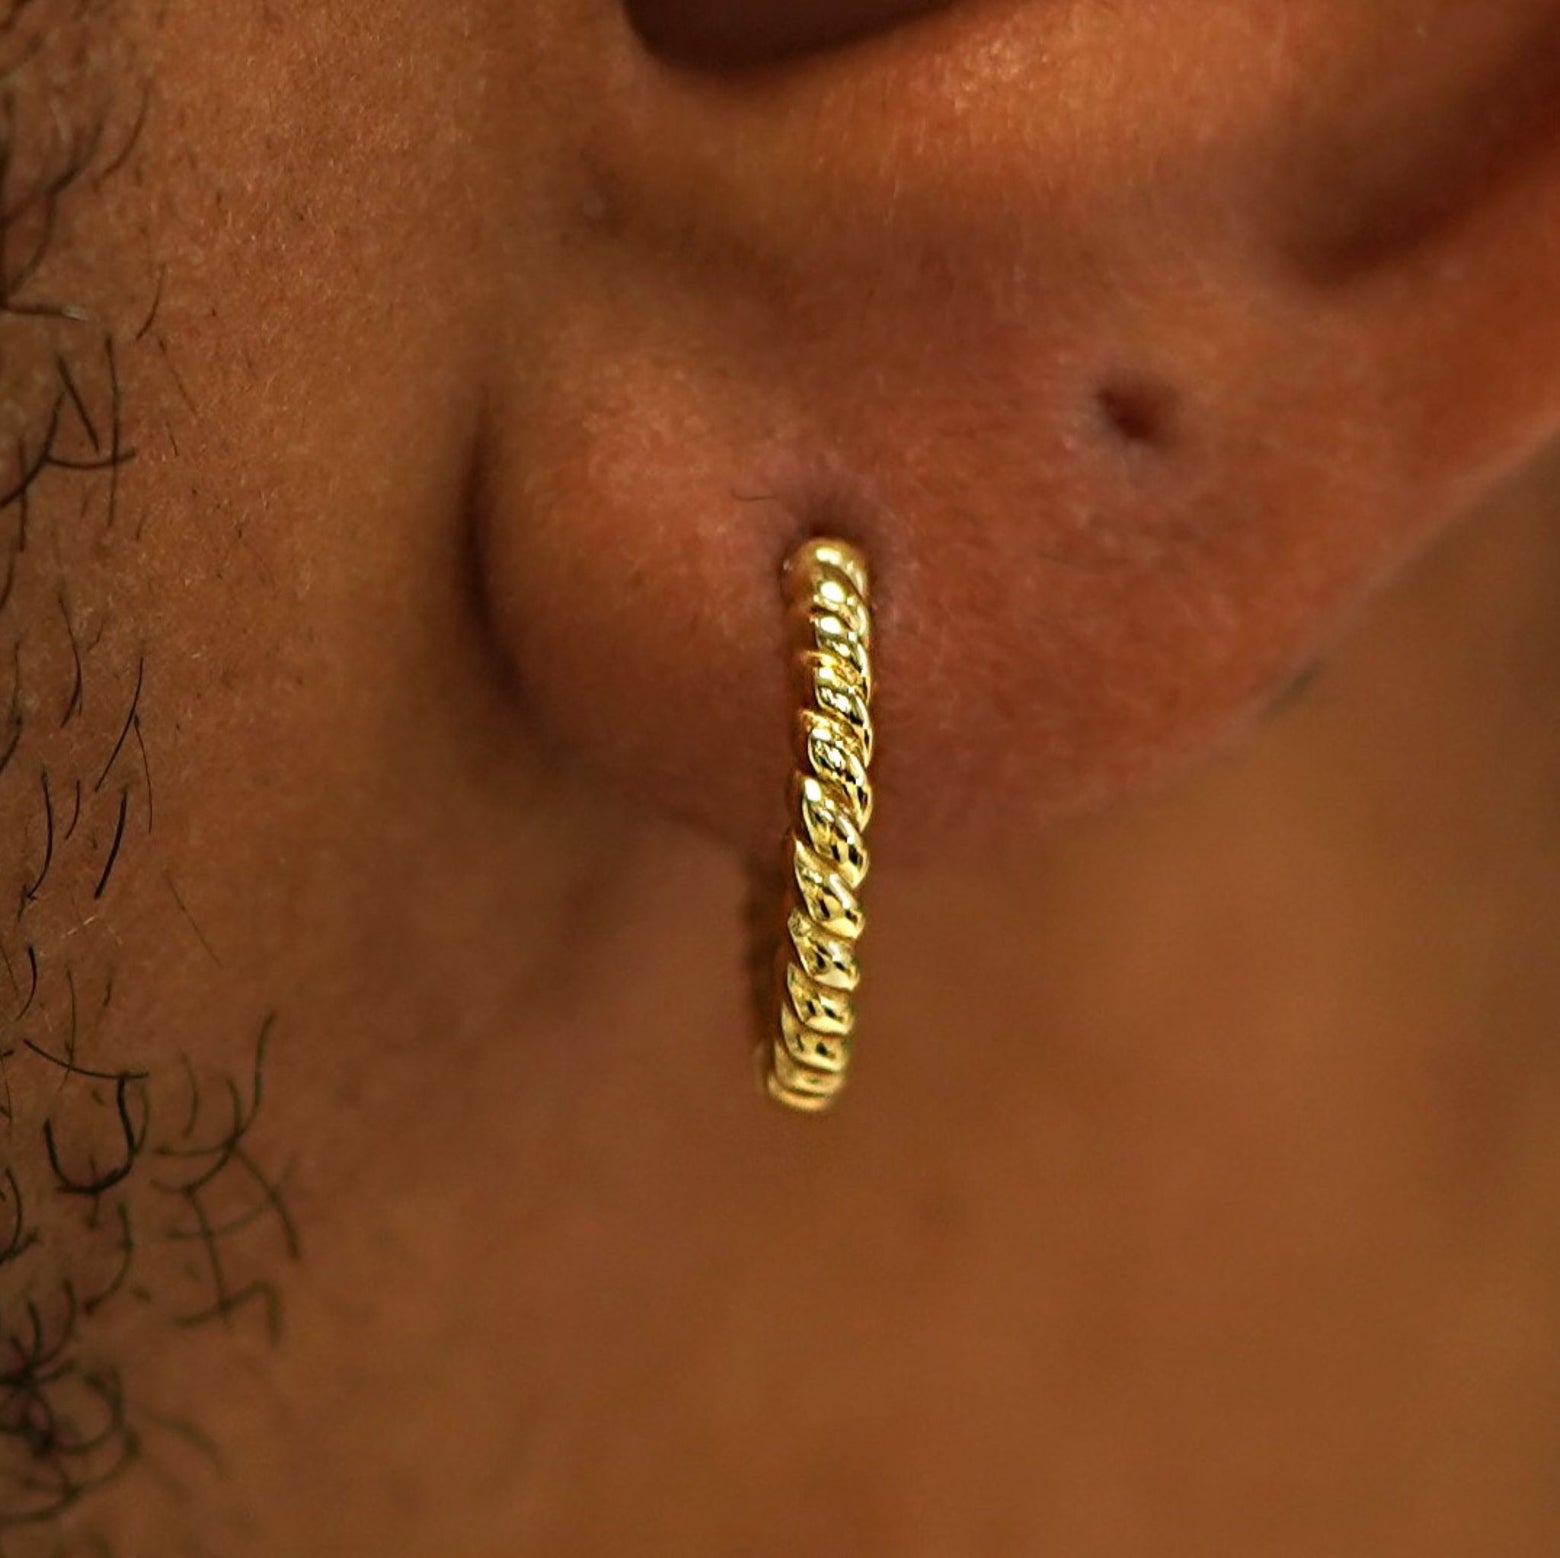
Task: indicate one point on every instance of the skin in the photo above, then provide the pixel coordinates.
(473, 370)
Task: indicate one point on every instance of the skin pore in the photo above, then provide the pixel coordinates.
(409, 411)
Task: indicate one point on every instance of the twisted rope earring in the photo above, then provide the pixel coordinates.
(825, 583)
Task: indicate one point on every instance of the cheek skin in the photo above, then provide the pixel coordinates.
(1119, 466)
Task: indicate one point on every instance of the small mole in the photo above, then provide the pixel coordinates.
(600, 204)
(1294, 691)
(1138, 411)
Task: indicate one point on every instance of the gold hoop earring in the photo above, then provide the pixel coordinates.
(826, 587)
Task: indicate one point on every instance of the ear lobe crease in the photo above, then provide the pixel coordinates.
(1427, 232)
(1413, 167)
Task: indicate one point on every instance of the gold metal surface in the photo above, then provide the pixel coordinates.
(808, 1051)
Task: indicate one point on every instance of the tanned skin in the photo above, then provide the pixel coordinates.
(404, 411)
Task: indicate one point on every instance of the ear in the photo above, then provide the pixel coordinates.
(716, 34)
(1135, 345)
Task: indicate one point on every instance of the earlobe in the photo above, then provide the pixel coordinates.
(1016, 299)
